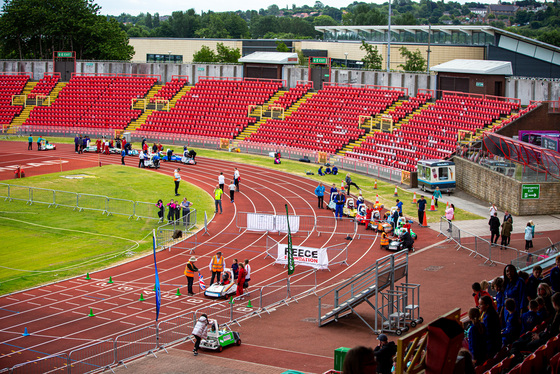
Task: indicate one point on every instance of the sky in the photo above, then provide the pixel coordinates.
(165, 7)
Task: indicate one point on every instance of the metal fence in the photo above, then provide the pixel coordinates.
(81, 201)
(537, 257)
(493, 254)
(270, 222)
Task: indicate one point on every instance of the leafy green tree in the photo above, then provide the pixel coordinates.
(204, 55)
(324, 20)
(414, 60)
(36, 28)
(372, 59)
(227, 54)
(282, 47)
(405, 19)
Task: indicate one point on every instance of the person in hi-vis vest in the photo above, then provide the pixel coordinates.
(190, 269)
(217, 265)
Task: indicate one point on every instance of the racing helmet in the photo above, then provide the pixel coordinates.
(225, 276)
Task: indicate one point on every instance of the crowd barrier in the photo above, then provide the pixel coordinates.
(479, 247)
(269, 222)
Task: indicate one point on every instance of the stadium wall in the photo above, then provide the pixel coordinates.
(519, 87)
(505, 192)
(538, 119)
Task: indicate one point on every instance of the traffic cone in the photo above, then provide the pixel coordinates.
(396, 194)
(91, 313)
(432, 205)
(248, 306)
(25, 333)
(425, 220)
(110, 280)
(375, 185)
(141, 297)
(414, 199)
(377, 199)
(231, 300)
(154, 288)
(87, 276)
(447, 206)
(178, 292)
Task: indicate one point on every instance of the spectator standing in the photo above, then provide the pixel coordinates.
(532, 232)
(449, 214)
(477, 337)
(123, 154)
(236, 179)
(320, 193)
(30, 142)
(161, 209)
(76, 143)
(221, 181)
(232, 191)
(235, 268)
(141, 160)
(507, 216)
(555, 276)
(171, 214)
(241, 274)
(217, 265)
(339, 200)
(528, 236)
(177, 180)
(514, 287)
(349, 183)
(218, 192)
(421, 203)
(493, 210)
(247, 273)
(507, 227)
(81, 145)
(436, 195)
(39, 140)
(384, 353)
(190, 270)
(399, 207)
(200, 332)
(186, 208)
(494, 224)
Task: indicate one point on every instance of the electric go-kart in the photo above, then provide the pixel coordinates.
(224, 288)
(169, 156)
(350, 209)
(188, 160)
(363, 216)
(395, 244)
(402, 226)
(152, 161)
(46, 146)
(218, 338)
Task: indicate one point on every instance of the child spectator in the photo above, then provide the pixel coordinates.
(235, 268)
(542, 311)
(491, 322)
(171, 214)
(533, 283)
(477, 337)
(161, 209)
(478, 292)
(512, 326)
(514, 287)
(531, 318)
(498, 286)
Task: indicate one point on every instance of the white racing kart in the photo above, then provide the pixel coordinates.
(218, 338)
(224, 288)
(46, 146)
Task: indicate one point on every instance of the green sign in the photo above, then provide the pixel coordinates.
(200, 69)
(530, 191)
(63, 54)
(480, 84)
(319, 60)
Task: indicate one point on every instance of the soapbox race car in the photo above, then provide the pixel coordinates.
(224, 288)
(218, 338)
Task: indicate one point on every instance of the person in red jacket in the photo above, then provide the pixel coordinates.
(241, 273)
(478, 292)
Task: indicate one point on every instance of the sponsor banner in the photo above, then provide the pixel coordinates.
(305, 256)
(270, 222)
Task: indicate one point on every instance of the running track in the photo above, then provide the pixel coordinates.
(57, 315)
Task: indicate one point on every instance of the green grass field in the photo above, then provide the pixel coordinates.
(48, 244)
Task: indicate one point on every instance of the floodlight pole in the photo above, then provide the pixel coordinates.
(429, 50)
(389, 40)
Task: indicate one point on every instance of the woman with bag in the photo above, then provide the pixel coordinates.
(240, 280)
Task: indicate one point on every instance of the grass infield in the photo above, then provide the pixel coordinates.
(48, 244)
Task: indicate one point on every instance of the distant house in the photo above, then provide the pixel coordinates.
(479, 11)
(502, 10)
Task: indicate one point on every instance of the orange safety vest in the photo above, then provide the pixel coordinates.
(384, 240)
(188, 272)
(217, 266)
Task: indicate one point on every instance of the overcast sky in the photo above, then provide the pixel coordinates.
(165, 7)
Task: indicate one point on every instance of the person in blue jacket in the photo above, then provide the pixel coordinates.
(512, 329)
(555, 276)
(491, 322)
(514, 287)
(334, 170)
(339, 200)
(320, 193)
(320, 171)
(477, 337)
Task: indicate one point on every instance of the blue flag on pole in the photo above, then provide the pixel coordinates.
(158, 289)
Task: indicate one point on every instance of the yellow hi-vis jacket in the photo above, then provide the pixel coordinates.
(384, 240)
(188, 272)
(217, 265)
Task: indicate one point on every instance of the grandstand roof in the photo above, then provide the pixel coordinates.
(484, 67)
(286, 58)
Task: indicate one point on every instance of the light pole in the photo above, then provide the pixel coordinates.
(346, 64)
(389, 40)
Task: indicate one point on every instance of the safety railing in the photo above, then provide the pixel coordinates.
(81, 201)
(537, 257)
(97, 356)
(270, 222)
(493, 254)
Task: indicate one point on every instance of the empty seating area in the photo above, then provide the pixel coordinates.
(214, 108)
(44, 86)
(433, 132)
(170, 89)
(408, 107)
(293, 95)
(328, 120)
(10, 85)
(94, 102)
